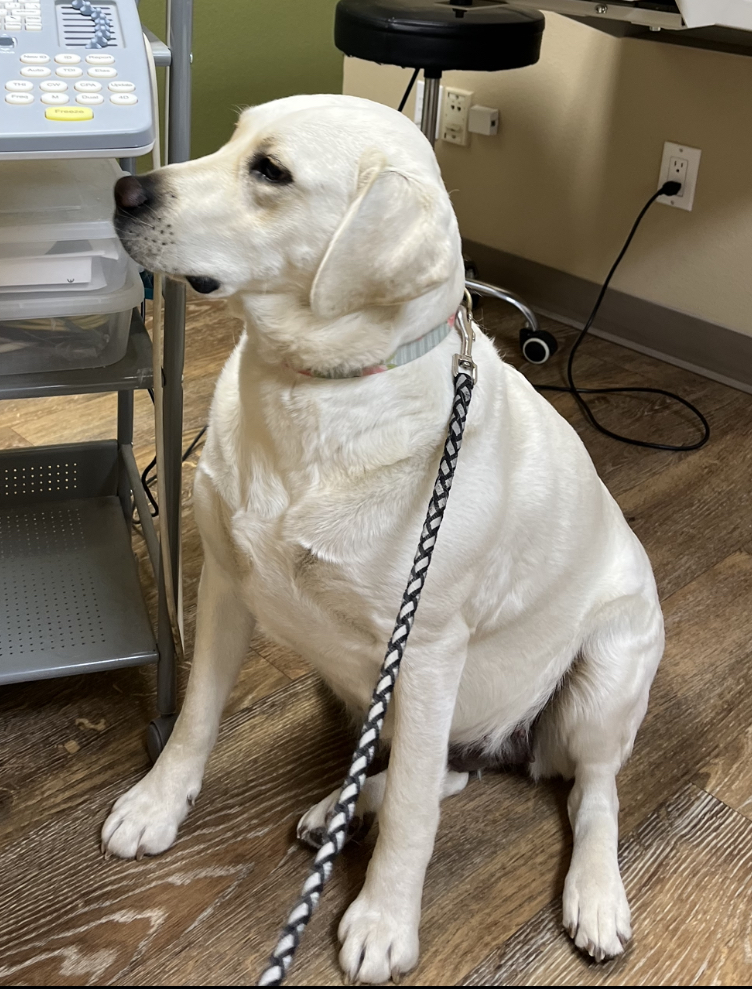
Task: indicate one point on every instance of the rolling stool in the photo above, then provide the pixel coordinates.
(437, 36)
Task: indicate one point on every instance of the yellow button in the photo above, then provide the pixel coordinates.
(74, 113)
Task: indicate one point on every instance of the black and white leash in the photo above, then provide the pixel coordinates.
(465, 376)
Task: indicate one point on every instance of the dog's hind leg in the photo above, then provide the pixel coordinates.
(588, 733)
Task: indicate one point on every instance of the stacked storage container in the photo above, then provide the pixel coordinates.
(67, 287)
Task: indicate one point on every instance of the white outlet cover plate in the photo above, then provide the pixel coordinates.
(692, 157)
(455, 110)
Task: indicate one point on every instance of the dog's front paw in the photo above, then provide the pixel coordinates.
(378, 941)
(596, 912)
(144, 821)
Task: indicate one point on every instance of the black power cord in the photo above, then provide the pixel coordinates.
(147, 481)
(667, 189)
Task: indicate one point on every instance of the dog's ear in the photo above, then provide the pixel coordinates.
(396, 242)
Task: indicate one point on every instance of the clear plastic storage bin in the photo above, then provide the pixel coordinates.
(67, 287)
(48, 333)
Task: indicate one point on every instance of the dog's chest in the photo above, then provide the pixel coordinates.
(308, 585)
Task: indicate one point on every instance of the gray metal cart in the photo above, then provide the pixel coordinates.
(70, 598)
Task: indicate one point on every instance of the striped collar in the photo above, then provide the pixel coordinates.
(402, 355)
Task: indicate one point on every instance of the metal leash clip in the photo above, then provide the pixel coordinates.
(463, 362)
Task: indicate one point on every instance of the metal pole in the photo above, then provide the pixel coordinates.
(178, 102)
(125, 438)
(430, 115)
(147, 525)
(179, 35)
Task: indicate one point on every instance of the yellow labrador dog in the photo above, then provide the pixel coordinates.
(326, 223)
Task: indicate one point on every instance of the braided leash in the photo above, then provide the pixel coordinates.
(465, 376)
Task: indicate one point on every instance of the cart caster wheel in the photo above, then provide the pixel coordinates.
(538, 346)
(157, 733)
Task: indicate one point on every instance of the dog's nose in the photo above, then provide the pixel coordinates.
(131, 193)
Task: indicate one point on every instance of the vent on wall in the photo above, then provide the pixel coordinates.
(77, 30)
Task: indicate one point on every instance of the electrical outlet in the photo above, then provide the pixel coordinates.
(677, 172)
(679, 164)
(418, 111)
(455, 110)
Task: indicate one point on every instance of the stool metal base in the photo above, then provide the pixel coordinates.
(430, 113)
(500, 293)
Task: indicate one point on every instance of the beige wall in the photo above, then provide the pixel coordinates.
(248, 51)
(579, 151)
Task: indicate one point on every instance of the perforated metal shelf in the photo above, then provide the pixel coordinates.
(70, 599)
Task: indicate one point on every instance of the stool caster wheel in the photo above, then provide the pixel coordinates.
(472, 272)
(157, 733)
(537, 345)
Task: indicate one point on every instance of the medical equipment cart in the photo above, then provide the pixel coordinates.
(70, 597)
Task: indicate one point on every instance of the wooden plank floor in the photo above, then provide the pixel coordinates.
(207, 912)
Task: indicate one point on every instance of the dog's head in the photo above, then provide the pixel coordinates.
(334, 199)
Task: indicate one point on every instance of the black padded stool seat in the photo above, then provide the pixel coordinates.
(439, 35)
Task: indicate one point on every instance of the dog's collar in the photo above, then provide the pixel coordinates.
(402, 355)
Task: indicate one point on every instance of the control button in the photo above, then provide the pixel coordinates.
(19, 86)
(87, 86)
(72, 114)
(100, 58)
(35, 71)
(123, 99)
(121, 87)
(34, 58)
(67, 58)
(19, 99)
(90, 99)
(102, 72)
(55, 99)
(69, 72)
(36, 26)
(53, 86)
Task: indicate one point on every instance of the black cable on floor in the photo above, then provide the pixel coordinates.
(147, 481)
(194, 443)
(667, 189)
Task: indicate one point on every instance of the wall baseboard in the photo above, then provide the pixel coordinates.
(706, 348)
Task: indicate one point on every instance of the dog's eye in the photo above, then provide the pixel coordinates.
(270, 171)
